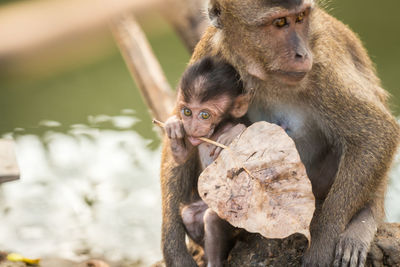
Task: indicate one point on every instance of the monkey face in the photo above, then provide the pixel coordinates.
(269, 38)
(201, 118)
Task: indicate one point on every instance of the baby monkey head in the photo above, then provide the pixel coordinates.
(211, 92)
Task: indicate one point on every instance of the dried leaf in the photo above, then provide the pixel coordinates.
(275, 198)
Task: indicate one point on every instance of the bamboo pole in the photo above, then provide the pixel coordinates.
(144, 66)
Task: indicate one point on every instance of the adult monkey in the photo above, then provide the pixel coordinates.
(312, 76)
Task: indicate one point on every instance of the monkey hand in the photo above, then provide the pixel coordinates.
(176, 133)
(350, 251)
(174, 128)
(353, 245)
(226, 138)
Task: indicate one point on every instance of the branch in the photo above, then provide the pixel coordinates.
(31, 24)
(144, 67)
(188, 17)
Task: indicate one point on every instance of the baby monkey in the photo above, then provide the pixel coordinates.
(212, 104)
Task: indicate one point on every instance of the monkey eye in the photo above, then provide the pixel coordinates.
(204, 115)
(300, 17)
(280, 22)
(187, 112)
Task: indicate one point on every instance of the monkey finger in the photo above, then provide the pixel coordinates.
(182, 129)
(346, 256)
(216, 152)
(212, 152)
(362, 258)
(173, 133)
(179, 135)
(354, 258)
(174, 130)
(338, 256)
(179, 132)
(168, 131)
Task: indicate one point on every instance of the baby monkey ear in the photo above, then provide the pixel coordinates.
(240, 106)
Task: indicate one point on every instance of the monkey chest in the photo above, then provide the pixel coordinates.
(294, 120)
(299, 124)
(205, 150)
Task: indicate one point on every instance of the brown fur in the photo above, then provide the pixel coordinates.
(347, 136)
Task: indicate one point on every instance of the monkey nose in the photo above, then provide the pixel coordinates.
(302, 61)
(300, 55)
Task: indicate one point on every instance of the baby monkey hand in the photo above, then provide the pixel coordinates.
(227, 137)
(174, 128)
(176, 133)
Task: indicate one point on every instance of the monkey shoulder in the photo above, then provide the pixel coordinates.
(204, 47)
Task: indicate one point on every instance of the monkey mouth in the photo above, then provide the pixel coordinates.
(291, 76)
(194, 141)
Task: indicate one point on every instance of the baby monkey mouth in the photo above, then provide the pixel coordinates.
(195, 141)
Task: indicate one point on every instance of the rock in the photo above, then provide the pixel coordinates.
(385, 250)
(260, 186)
(95, 263)
(255, 250)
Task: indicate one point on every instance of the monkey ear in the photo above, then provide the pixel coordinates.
(240, 106)
(214, 13)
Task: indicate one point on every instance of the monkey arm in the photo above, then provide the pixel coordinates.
(353, 113)
(177, 183)
(367, 137)
(205, 46)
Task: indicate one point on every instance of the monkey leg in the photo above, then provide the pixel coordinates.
(193, 219)
(219, 236)
(354, 243)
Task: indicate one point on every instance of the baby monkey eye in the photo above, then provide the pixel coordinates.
(300, 17)
(187, 112)
(280, 22)
(204, 115)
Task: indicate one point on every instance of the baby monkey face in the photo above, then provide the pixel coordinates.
(201, 118)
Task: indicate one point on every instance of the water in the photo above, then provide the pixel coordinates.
(89, 155)
(89, 158)
(84, 192)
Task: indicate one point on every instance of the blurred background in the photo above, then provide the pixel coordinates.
(88, 153)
